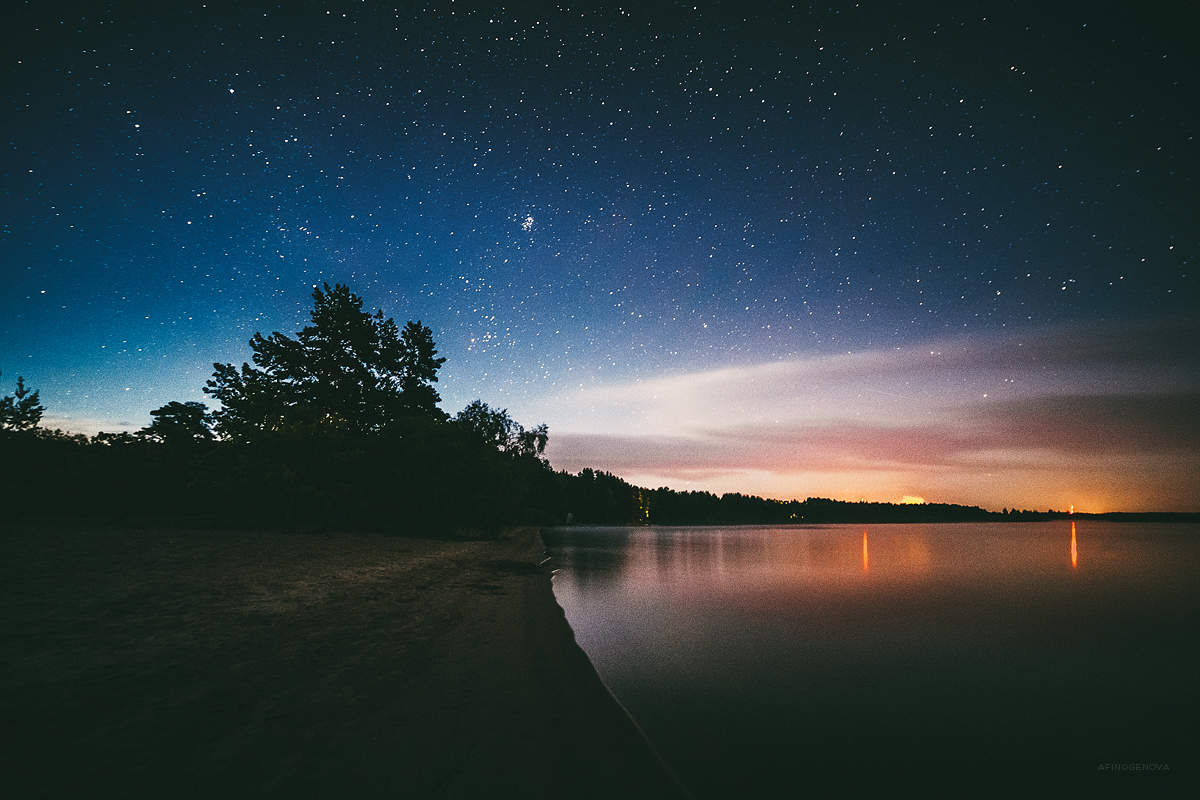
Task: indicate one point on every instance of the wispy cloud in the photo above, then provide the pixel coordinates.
(1061, 415)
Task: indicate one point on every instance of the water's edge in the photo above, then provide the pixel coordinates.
(1023, 652)
(546, 562)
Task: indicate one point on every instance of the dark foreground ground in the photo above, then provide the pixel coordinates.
(166, 663)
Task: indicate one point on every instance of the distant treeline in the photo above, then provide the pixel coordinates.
(340, 427)
(593, 497)
(602, 498)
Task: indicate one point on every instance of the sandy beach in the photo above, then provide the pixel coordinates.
(167, 662)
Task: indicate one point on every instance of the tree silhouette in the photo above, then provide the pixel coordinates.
(180, 424)
(349, 371)
(419, 365)
(495, 428)
(22, 410)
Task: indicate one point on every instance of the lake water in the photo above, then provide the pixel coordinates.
(970, 656)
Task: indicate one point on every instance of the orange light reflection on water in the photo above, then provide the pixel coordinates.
(1074, 549)
(866, 556)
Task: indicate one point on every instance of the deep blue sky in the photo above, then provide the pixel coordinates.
(581, 198)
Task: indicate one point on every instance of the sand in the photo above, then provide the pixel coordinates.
(178, 662)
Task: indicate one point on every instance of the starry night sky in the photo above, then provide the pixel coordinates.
(861, 250)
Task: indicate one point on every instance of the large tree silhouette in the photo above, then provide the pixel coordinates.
(419, 365)
(349, 371)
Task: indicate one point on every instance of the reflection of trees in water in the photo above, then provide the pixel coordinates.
(826, 551)
(805, 660)
(627, 556)
(680, 552)
(663, 556)
(739, 548)
(593, 555)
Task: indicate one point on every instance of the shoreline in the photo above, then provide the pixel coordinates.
(257, 662)
(677, 787)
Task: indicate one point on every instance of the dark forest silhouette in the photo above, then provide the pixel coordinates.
(339, 426)
(336, 426)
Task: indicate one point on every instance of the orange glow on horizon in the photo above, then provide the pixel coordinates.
(1074, 549)
(912, 500)
(866, 556)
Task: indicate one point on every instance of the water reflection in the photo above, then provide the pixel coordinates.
(1074, 549)
(744, 651)
(698, 561)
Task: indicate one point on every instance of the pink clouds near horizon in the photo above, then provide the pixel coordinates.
(1105, 419)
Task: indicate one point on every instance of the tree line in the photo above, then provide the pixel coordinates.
(596, 497)
(339, 425)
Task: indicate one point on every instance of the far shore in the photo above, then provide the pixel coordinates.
(167, 662)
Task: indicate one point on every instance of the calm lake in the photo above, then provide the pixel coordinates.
(768, 659)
